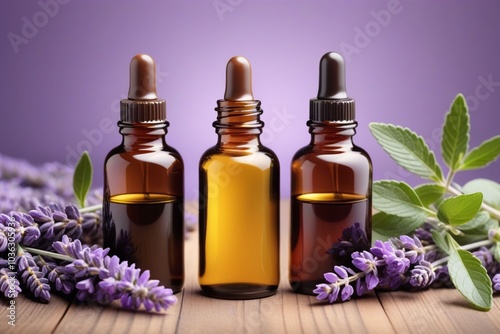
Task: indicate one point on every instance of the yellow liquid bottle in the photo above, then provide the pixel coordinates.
(331, 185)
(143, 204)
(239, 199)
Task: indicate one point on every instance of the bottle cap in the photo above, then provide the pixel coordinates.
(238, 80)
(142, 104)
(332, 103)
(238, 108)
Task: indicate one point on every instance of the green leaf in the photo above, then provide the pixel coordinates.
(481, 219)
(460, 209)
(399, 199)
(489, 188)
(394, 226)
(82, 178)
(455, 140)
(430, 193)
(408, 149)
(440, 241)
(481, 156)
(479, 233)
(470, 278)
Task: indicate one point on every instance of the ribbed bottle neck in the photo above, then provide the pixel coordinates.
(332, 133)
(143, 133)
(238, 122)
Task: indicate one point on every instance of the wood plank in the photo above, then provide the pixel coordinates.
(30, 315)
(438, 311)
(434, 311)
(93, 318)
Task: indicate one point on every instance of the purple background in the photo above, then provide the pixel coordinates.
(405, 67)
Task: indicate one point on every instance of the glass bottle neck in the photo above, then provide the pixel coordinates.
(332, 134)
(143, 135)
(238, 124)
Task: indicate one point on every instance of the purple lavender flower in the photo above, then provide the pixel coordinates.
(423, 233)
(31, 277)
(46, 224)
(55, 274)
(396, 263)
(9, 285)
(487, 260)
(137, 289)
(104, 278)
(353, 239)
(347, 292)
(330, 291)
(339, 284)
(49, 178)
(365, 262)
(392, 274)
(413, 248)
(496, 283)
(422, 275)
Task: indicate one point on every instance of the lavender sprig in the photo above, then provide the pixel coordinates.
(46, 224)
(397, 263)
(31, 276)
(400, 263)
(97, 276)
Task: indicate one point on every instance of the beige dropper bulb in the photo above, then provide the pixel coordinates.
(238, 80)
(142, 78)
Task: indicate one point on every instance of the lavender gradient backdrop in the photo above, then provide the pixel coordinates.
(406, 61)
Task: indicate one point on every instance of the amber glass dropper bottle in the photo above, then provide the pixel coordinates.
(143, 213)
(331, 184)
(239, 198)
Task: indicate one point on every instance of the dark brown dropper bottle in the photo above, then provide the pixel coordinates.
(239, 198)
(143, 202)
(331, 181)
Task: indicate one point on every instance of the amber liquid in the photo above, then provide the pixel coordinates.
(239, 226)
(149, 232)
(318, 220)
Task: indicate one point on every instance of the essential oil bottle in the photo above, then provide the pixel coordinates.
(239, 198)
(143, 205)
(331, 181)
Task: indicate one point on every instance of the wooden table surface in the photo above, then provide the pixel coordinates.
(432, 311)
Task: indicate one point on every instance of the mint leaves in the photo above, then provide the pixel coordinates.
(408, 149)
(82, 178)
(459, 219)
(455, 141)
(458, 210)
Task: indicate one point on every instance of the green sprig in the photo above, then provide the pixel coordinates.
(460, 217)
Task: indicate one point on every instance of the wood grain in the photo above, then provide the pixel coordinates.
(432, 311)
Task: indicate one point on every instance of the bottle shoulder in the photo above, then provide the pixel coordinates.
(166, 156)
(263, 156)
(216, 150)
(312, 152)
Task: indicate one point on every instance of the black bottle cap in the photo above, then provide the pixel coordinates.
(332, 103)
